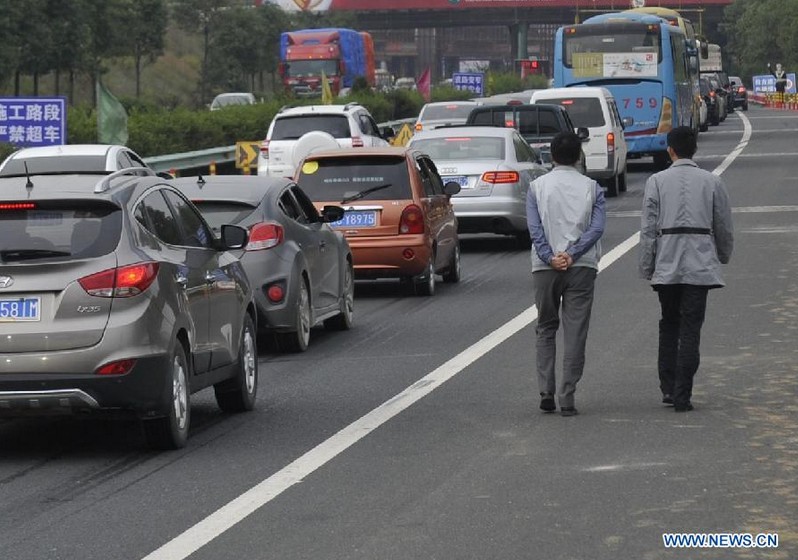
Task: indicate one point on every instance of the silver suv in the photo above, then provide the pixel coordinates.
(115, 296)
(296, 132)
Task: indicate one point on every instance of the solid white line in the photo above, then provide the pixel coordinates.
(738, 210)
(781, 155)
(747, 130)
(250, 501)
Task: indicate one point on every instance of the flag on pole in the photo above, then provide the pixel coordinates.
(326, 93)
(111, 118)
(423, 85)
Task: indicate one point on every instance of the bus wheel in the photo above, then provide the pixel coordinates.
(661, 161)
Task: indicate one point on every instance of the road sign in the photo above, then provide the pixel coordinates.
(247, 154)
(33, 121)
(766, 83)
(469, 81)
(403, 136)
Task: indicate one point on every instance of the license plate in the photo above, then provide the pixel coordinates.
(357, 218)
(461, 180)
(20, 309)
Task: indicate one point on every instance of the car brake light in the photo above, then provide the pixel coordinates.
(712, 94)
(264, 149)
(357, 142)
(498, 177)
(119, 367)
(17, 206)
(264, 236)
(412, 220)
(741, 89)
(124, 281)
(611, 142)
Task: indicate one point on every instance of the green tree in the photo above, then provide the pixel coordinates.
(761, 31)
(71, 34)
(145, 31)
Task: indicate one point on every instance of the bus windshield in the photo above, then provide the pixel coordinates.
(613, 50)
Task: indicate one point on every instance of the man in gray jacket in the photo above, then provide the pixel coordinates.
(685, 235)
(565, 215)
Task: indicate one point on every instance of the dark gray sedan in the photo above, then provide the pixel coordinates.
(299, 267)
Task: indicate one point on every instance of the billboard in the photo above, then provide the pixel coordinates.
(380, 5)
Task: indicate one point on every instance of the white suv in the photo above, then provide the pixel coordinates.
(296, 132)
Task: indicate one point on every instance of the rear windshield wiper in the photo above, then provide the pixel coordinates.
(25, 254)
(366, 192)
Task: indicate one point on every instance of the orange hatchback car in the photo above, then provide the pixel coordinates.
(399, 220)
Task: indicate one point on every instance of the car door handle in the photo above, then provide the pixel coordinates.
(322, 244)
(210, 278)
(181, 281)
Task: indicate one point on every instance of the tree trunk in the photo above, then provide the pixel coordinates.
(138, 76)
(16, 83)
(35, 83)
(71, 87)
(57, 82)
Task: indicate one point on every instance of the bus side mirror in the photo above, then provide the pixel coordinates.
(583, 133)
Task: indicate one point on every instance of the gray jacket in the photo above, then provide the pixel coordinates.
(686, 227)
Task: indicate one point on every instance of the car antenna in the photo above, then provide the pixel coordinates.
(200, 181)
(29, 184)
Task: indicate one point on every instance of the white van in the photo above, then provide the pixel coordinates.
(605, 151)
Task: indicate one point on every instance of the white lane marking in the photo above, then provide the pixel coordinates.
(238, 509)
(780, 155)
(747, 130)
(760, 132)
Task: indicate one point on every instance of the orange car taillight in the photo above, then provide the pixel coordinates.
(264, 235)
(412, 220)
(611, 142)
(123, 281)
(499, 177)
(264, 149)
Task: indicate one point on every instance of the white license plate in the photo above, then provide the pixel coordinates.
(20, 309)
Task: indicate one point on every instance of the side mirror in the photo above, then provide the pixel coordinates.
(234, 237)
(451, 188)
(627, 122)
(388, 132)
(330, 214)
(583, 133)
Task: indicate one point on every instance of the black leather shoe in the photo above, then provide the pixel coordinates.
(568, 411)
(683, 407)
(547, 402)
(667, 399)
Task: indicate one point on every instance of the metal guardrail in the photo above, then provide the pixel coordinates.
(191, 160)
(223, 155)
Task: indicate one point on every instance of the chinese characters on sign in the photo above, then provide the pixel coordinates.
(33, 121)
(469, 81)
(615, 65)
(767, 84)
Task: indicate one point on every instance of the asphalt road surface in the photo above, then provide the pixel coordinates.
(417, 434)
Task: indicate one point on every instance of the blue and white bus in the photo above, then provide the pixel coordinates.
(644, 62)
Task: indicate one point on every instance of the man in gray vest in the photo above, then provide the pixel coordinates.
(565, 216)
(685, 235)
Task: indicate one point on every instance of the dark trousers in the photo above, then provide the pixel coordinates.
(571, 290)
(683, 310)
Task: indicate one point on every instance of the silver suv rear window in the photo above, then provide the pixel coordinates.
(292, 128)
(57, 230)
(335, 179)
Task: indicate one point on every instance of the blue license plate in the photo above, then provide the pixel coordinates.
(357, 219)
(20, 309)
(461, 180)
